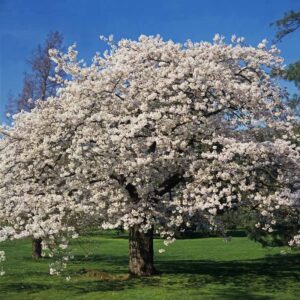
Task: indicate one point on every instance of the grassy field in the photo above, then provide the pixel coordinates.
(205, 268)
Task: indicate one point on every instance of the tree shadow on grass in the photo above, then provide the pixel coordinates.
(22, 287)
(238, 294)
(116, 263)
(230, 279)
(273, 273)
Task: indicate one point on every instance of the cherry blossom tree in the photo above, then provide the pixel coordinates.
(37, 84)
(152, 136)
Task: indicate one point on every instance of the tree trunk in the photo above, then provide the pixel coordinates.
(141, 252)
(36, 248)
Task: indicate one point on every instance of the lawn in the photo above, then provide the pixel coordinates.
(206, 268)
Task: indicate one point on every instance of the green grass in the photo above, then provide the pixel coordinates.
(205, 268)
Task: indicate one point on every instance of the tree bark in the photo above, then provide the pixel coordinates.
(141, 252)
(36, 248)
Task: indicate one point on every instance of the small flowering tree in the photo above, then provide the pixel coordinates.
(152, 136)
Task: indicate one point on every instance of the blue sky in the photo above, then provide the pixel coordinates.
(24, 24)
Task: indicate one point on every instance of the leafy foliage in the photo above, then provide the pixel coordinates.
(289, 23)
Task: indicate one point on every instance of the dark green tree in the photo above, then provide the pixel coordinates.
(289, 23)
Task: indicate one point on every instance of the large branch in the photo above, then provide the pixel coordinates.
(169, 184)
(129, 187)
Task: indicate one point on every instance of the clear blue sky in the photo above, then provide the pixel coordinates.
(25, 23)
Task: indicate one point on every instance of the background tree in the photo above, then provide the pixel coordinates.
(288, 24)
(38, 82)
